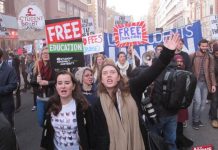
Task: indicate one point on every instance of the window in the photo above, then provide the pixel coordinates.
(62, 5)
(76, 12)
(211, 9)
(2, 6)
(70, 10)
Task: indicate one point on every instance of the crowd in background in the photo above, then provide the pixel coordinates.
(96, 106)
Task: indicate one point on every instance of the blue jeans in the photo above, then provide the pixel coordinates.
(41, 105)
(167, 127)
(199, 100)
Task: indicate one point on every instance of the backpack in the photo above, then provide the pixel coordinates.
(177, 89)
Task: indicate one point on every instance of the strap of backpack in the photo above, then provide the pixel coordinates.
(166, 77)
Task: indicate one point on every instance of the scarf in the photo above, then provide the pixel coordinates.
(123, 68)
(123, 127)
(45, 71)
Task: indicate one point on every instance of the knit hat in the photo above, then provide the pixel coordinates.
(215, 47)
(79, 74)
(176, 57)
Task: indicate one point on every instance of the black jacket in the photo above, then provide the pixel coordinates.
(137, 85)
(48, 89)
(85, 128)
(8, 83)
(7, 135)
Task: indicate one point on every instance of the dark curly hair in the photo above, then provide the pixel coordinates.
(55, 105)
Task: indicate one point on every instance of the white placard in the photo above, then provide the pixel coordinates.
(93, 44)
(214, 26)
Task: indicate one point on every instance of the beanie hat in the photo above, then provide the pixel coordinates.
(176, 57)
(215, 47)
(79, 74)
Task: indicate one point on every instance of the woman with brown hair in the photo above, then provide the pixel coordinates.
(98, 62)
(116, 112)
(68, 121)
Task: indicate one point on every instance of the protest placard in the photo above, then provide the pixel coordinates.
(130, 34)
(88, 26)
(64, 37)
(205, 147)
(93, 44)
(214, 26)
(122, 20)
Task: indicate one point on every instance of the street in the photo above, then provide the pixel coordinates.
(29, 133)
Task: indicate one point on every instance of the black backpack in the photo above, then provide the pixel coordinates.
(176, 89)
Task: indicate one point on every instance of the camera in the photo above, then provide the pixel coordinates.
(148, 108)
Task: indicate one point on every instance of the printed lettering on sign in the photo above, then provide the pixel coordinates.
(68, 30)
(130, 34)
(31, 17)
(205, 147)
(93, 44)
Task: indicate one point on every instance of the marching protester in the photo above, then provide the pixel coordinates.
(98, 61)
(214, 101)
(123, 65)
(181, 140)
(14, 62)
(132, 58)
(85, 77)
(43, 81)
(68, 122)
(8, 84)
(203, 69)
(23, 63)
(184, 55)
(116, 112)
(7, 135)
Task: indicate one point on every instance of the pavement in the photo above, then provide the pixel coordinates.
(29, 133)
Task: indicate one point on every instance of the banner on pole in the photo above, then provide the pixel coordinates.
(191, 34)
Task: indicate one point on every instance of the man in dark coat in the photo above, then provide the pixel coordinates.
(7, 136)
(8, 84)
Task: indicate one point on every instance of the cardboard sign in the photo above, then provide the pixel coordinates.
(28, 48)
(130, 34)
(121, 20)
(214, 26)
(31, 17)
(63, 31)
(205, 147)
(88, 26)
(64, 37)
(93, 44)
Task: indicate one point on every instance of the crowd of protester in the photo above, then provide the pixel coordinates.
(99, 106)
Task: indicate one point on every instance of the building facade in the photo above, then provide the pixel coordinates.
(8, 25)
(53, 9)
(177, 13)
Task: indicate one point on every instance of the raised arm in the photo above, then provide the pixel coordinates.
(139, 82)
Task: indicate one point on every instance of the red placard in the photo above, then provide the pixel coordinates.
(63, 31)
(130, 34)
(204, 147)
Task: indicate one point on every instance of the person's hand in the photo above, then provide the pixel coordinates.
(39, 78)
(172, 41)
(213, 89)
(43, 82)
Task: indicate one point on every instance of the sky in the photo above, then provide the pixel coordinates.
(136, 8)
